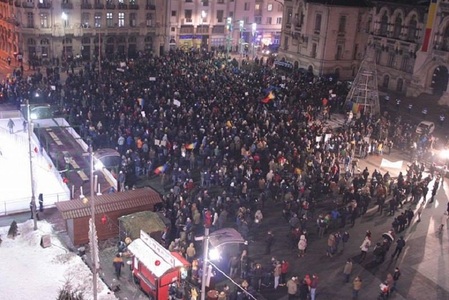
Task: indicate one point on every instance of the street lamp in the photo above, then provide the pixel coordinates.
(92, 229)
(203, 16)
(218, 238)
(64, 17)
(241, 26)
(30, 156)
(254, 31)
(228, 38)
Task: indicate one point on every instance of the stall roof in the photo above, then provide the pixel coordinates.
(73, 209)
(148, 251)
(225, 236)
(147, 221)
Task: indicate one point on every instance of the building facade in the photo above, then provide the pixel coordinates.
(226, 24)
(40, 30)
(324, 38)
(408, 41)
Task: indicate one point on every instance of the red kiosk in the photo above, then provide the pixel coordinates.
(154, 268)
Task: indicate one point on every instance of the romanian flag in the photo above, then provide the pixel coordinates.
(160, 169)
(433, 5)
(191, 146)
(268, 98)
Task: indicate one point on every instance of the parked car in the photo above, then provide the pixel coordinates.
(425, 127)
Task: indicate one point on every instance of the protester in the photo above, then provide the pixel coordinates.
(400, 244)
(292, 288)
(118, 265)
(356, 287)
(347, 270)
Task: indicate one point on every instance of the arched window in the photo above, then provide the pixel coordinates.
(148, 42)
(397, 27)
(399, 85)
(45, 42)
(384, 24)
(386, 81)
(342, 24)
(411, 34)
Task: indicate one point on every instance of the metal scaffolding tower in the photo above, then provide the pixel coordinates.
(364, 95)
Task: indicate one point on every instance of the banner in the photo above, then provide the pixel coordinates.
(390, 164)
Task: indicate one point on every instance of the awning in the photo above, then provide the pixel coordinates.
(225, 236)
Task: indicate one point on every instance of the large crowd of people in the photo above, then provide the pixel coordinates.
(254, 134)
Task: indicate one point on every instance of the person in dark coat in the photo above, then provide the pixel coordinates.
(41, 202)
(269, 240)
(118, 265)
(303, 290)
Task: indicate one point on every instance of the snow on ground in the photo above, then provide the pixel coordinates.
(29, 271)
(15, 189)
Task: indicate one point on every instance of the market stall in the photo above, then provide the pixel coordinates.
(155, 268)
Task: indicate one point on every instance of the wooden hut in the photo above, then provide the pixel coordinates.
(108, 209)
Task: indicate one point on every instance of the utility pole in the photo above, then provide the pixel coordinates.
(205, 266)
(30, 156)
(229, 37)
(93, 230)
(241, 26)
(99, 53)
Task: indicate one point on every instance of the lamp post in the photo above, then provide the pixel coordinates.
(254, 31)
(228, 37)
(205, 268)
(92, 229)
(203, 16)
(241, 26)
(217, 239)
(64, 18)
(30, 156)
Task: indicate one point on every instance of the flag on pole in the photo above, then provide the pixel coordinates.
(268, 98)
(432, 12)
(160, 169)
(191, 146)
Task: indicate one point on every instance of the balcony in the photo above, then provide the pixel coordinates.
(67, 5)
(86, 6)
(110, 6)
(98, 6)
(133, 6)
(27, 4)
(150, 7)
(45, 5)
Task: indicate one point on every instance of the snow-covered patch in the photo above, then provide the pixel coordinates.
(29, 271)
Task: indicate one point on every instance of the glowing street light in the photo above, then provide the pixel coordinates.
(241, 26)
(214, 254)
(228, 39)
(203, 16)
(217, 239)
(254, 31)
